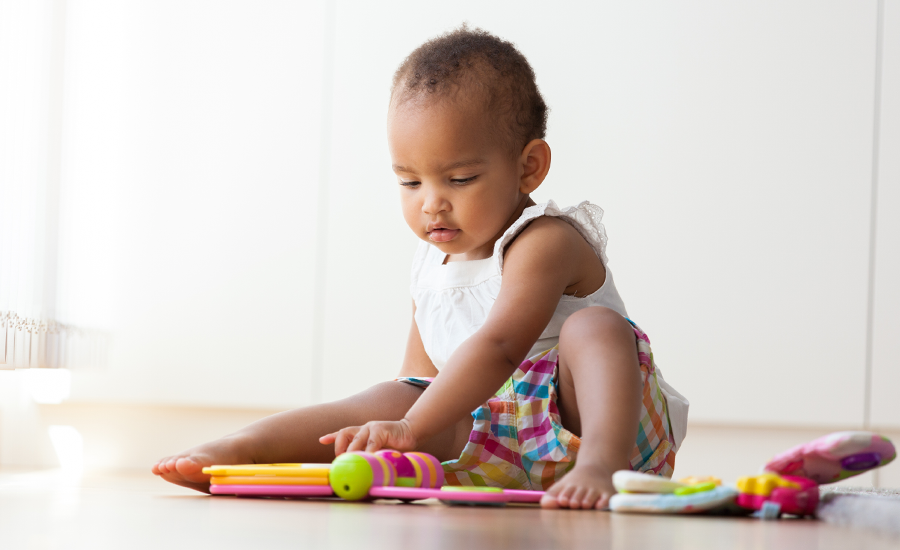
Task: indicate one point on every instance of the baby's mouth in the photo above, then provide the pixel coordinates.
(442, 234)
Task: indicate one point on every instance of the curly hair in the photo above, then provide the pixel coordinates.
(475, 61)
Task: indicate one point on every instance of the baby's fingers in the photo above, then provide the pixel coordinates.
(377, 439)
(359, 440)
(340, 438)
(345, 440)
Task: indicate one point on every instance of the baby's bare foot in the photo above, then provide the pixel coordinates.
(186, 469)
(584, 487)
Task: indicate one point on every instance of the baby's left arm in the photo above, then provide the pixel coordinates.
(538, 266)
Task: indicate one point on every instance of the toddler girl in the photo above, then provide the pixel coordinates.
(513, 303)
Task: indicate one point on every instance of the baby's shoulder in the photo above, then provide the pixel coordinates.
(549, 236)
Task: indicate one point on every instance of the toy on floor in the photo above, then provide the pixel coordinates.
(789, 486)
(628, 481)
(652, 494)
(834, 457)
(357, 476)
(307, 480)
(774, 495)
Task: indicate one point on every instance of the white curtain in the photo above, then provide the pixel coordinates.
(32, 334)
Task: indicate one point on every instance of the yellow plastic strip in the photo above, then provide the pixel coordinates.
(415, 464)
(385, 471)
(292, 470)
(432, 475)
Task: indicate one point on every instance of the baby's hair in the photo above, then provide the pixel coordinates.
(472, 60)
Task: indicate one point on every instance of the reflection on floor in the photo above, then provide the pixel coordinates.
(52, 509)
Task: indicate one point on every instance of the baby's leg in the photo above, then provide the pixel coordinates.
(598, 355)
(293, 436)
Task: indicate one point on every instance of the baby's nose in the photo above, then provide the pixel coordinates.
(434, 203)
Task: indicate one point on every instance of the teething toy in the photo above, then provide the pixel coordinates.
(789, 486)
(701, 499)
(357, 476)
(694, 480)
(627, 481)
(775, 495)
(834, 457)
(652, 494)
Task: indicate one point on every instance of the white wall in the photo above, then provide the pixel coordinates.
(731, 146)
(192, 147)
(886, 333)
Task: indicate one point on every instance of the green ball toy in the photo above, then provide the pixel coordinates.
(353, 474)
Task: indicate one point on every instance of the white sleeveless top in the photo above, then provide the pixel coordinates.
(453, 300)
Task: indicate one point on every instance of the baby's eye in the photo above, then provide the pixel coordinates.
(463, 181)
(409, 183)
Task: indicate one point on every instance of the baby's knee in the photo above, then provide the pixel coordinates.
(595, 322)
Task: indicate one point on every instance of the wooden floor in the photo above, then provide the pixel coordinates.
(49, 510)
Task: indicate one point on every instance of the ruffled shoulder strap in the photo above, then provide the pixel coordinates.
(585, 218)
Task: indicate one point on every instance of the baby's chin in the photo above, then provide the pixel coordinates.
(457, 253)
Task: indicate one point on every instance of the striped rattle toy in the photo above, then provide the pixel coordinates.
(355, 476)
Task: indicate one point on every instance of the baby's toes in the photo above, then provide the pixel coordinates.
(160, 467)
(589, 498)
(564, 497)
(187, 467)
(191, 470)
(170, 465)
(578, 495)
(550, 500)
(603, 501)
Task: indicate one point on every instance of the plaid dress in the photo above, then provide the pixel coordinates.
(518, 442)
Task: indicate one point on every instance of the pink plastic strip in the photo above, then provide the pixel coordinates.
(410, 493)
(518, 495)
(273, 490)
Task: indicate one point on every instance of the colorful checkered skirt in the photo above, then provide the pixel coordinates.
(518, 442)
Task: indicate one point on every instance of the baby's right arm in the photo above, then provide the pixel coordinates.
(415, 361)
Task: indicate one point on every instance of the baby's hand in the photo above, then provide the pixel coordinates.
(371, 437)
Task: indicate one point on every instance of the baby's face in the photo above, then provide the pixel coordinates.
(459, 185)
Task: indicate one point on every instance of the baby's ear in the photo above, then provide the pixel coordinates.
(535, 162)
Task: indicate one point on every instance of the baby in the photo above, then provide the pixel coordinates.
(513, 304)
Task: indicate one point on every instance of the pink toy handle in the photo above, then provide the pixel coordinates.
(273, 490)
(414, 493)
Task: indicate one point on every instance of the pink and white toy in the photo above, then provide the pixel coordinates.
(834, 457)
(774, 495)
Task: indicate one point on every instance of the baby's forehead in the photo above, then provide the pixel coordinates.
(464, 109)
(464, 127)
(441, 137)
